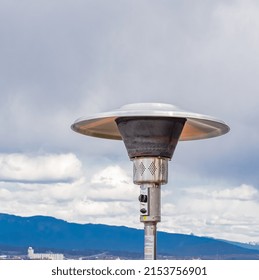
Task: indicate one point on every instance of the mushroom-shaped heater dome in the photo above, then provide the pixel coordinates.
(104, 125)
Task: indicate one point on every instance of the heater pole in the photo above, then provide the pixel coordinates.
(150, 173)
(150, 241)
(150, 218)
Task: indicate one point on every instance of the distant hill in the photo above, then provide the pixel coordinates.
(48, 232)
(250, 245)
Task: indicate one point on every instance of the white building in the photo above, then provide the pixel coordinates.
(45, 256)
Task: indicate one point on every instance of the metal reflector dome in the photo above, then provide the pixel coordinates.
(197, 126)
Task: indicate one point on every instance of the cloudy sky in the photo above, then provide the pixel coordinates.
(63, 59)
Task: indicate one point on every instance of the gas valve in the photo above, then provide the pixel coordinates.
(143, 198)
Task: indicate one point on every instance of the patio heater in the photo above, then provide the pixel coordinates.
(150, 132)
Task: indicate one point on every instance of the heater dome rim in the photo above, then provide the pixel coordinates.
(103, 125)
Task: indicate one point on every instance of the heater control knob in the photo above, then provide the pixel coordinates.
(143, 198)
(143, 210)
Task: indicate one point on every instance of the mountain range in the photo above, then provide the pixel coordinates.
(58, 235)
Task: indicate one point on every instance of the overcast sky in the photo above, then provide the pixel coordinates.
(63, 59)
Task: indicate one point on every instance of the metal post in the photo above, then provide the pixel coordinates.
(150, 173)
(150, 216)
(150, 241)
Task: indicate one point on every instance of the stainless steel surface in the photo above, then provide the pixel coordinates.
(197, 126)
(144, 200)
(150, 170)
(150, 215)
(150, 241)
(153, 205)
(150, 136)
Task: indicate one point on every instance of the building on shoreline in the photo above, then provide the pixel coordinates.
(45, 256)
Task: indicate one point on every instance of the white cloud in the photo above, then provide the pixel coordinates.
(50, 167)
(107, 196)
(212, 210)
(243, 192)
(112, 183)
(110, 197)
(5, 195)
